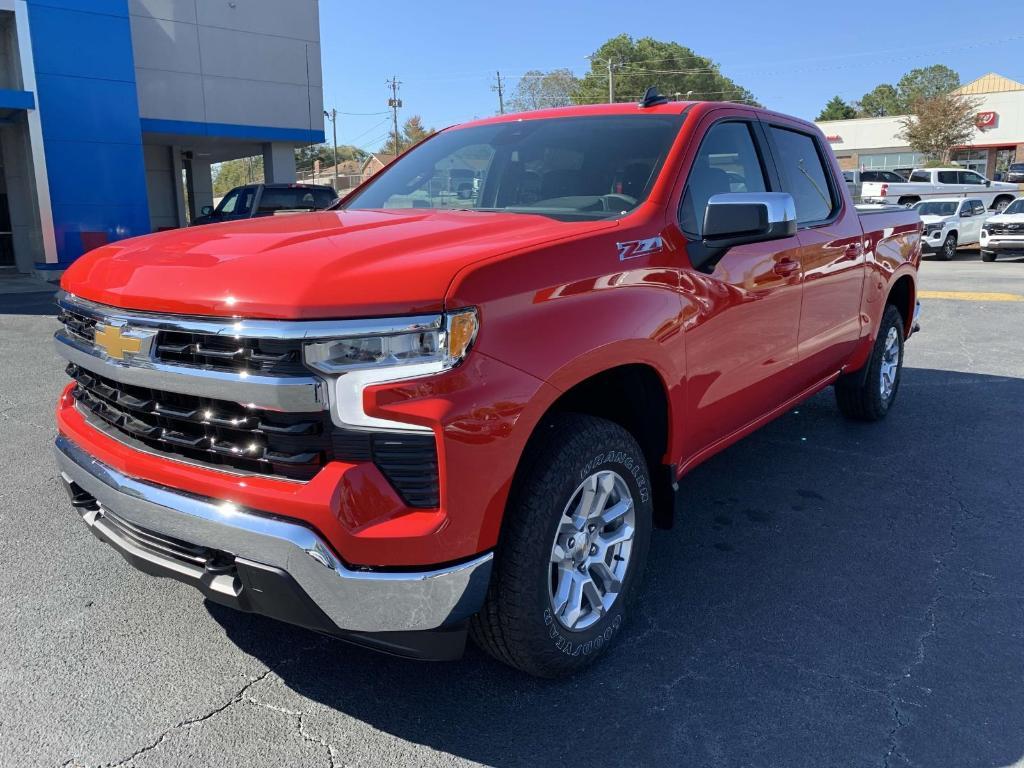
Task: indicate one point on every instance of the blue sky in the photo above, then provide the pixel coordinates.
(794, 59)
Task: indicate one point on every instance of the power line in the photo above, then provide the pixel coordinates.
(394, 102)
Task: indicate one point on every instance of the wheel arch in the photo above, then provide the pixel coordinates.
(903, 295)
(635, 396)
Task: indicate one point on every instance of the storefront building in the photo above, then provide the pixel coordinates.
(874, 143)
(112, 112)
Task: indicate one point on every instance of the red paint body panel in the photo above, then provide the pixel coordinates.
(732, 348)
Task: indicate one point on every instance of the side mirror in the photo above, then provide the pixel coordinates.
(206, 210)
(738, 218)
(988, 182)
(735, 218)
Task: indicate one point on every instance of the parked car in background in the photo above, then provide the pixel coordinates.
(255, 200)
(859, 177)
(1015, 173)
(1003, 234)
(418, 415)
(855, 180)
(950, 222)
(931, 183)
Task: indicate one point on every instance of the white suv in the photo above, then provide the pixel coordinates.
(1004, 232)
(950, 222)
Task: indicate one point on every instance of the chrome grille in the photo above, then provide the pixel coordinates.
(223, 353)
(215, 432)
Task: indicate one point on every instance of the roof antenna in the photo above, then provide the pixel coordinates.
(652, 98)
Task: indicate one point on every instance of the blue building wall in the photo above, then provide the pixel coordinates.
(85, 88)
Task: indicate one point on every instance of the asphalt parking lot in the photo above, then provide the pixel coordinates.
(834, 594)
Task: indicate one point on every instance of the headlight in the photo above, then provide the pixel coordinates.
(932, 229)
(431, 344)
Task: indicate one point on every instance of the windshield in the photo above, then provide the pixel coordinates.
(569, 168)
(1017, 206)
(936, 208)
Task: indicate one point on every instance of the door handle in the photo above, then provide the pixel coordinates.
(852, 252)
(786, 267)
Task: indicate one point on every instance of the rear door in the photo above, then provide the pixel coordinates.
(742, 314)
(831, 251)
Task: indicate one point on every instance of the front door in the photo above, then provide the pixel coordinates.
(972, 214)
(740, 315)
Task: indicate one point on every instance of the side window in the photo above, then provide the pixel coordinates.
(965, 208)
(970, 177)
(978, 207)
(727, 161)
(922, 176)
(949, 177)
(804, 175)
(227, 205)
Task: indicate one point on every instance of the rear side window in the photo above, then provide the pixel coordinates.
(287, 199)
(727, 161)
(921, 176)
(804, 175)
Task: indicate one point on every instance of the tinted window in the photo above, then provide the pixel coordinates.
(965, 208)
(848, 175)
(237, 202)
(566, 168)
(727, 161)
(1017, 206)
(935, 208)
(948, 177)
(296, 198)
(978, 207)
(969, 177)
(1017, 167)
(804, 175)
(924, 176)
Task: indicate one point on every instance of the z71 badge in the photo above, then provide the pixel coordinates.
(632, 249)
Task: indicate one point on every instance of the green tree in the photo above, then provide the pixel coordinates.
(940, 123)
(674, 69)
(543, 90)
(235, 173)
(880, 101)
(837, 109)
(412, 133)
(926, 83)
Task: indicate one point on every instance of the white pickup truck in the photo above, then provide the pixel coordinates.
(950, 222)
(931, 183)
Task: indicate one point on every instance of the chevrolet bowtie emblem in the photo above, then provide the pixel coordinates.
(115, 342)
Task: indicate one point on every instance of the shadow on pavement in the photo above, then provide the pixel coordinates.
(833, 594)
(40, 303)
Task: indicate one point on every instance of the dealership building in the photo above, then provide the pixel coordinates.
(112, 112)
(874, 144)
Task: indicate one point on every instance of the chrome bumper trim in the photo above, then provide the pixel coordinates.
(299, 394)
(359, 601)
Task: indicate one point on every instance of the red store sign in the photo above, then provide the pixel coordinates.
(986, 120)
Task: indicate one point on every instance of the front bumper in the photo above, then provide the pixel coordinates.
(1003, 244)
(272, 566)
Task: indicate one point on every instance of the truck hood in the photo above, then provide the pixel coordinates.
(1006, 218)
(319, 265)
(933, 219)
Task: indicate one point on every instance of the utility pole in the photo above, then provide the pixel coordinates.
(611, 78)
(333, 117)
(394, 103)
(501, 94)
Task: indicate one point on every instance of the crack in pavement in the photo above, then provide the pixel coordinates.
(238, 697)
(931, 623)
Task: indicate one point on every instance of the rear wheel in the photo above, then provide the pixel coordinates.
(868, 397)
(988, 256)
(1000, 203)
(572, 551)
(907, 202)
(948, 250)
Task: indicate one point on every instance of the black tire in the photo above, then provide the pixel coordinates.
(907, 202)
(516, 624)
(860, 397)
(948, 250)
(1000, 203)
(988, 256)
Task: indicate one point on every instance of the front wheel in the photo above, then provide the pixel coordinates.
(948, 247)
(572, 550)
(869, 397)
(988, 256)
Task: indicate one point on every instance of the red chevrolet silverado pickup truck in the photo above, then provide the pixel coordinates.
(460, 402)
